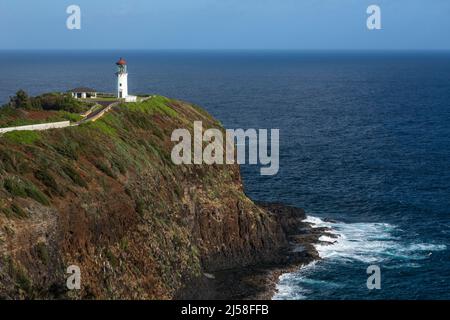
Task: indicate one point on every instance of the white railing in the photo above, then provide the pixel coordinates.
(37, 127)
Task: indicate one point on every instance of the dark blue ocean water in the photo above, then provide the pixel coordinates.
(364, 140)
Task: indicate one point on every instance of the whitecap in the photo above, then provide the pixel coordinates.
(367, 243)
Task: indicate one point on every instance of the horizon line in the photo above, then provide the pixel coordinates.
(232, 49)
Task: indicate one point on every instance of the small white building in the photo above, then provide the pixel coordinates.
(83, 93)
(122, 81)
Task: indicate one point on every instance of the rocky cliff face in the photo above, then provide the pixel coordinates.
(105, 196)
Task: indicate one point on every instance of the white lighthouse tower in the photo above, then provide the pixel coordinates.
(122, 82)
(122, 79)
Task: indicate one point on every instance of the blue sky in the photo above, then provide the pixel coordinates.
(225, 24)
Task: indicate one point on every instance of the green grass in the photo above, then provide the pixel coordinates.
(103, 127)
(22, 137)
(68, 149)
(20, 188)
(157, 104)
(72, 117)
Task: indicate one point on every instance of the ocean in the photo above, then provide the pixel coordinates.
(364, 147)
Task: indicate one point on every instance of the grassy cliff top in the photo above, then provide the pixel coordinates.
(130, 137)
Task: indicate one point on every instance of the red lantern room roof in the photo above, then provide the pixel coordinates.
(121, 62)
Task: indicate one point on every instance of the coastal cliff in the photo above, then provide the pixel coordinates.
(106, 197)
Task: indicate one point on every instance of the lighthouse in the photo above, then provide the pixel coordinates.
(122, 79)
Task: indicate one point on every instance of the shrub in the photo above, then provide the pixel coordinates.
(23, 281)
(15, 187)
(47, 101)
(120, 164)
(68, 149)
(42, 252)
(7, 162)
(140, 207)
(74, 176)
(20, 100)
(23, 189)
(14, 211)
(37, 195)
(46, 178)
(105, 168)
(56, 101)
(18, 211)
(111, 258)
(19, 274)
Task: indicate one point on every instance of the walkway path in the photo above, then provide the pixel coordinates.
(90, 115)
(93, 116)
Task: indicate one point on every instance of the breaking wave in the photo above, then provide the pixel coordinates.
(366, 243)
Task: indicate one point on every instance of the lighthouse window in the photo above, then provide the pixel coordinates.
(120, 84)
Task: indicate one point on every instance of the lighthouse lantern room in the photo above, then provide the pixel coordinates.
(122, 79)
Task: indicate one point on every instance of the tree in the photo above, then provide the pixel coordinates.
(21, 100)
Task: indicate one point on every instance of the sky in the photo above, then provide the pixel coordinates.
(225, 24)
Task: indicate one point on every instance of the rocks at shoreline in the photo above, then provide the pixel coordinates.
(259, 281)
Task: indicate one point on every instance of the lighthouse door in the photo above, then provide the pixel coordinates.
(120, 94)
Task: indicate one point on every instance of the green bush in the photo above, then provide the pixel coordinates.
(74, 176)
(14, 211)
(23, 189)
(46, 178)
(37, 195)
(23, 281)
(15, 187)
(47, 101)
(20, 100)
(105, 168)
(7, 161)
(18, 211)
(68, 149)
(56, 101)
(140, 207)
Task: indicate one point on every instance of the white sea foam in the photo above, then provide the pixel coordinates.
(286, 291)
(367, 243)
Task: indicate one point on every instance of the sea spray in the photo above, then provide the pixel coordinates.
(352, 243)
